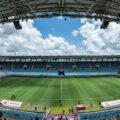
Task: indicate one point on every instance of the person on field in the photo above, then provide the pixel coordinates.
(61, 102)
(63, 112)
(13, 97)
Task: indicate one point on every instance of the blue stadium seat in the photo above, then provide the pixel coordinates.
(98, 115)
(22, 115)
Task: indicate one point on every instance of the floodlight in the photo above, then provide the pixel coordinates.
(17, 24)
(104, 25)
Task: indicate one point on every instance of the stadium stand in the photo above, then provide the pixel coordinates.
(100, 115)
(21, 115)
(50, 65)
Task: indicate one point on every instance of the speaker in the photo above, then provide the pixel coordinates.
(17, 24)
(104, 24)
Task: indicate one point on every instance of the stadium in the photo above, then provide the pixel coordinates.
(58, 87)
(60, 83)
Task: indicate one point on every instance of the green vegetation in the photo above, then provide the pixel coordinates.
(49, 91)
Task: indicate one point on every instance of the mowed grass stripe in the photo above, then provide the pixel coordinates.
(114, 86)
(7, 83)
(15, 91)
(81, 87)
(51, 95)
(46, 91)
(94, 91)
(109, 87)
(67, 91)
(41, 88)
(24, 90)
(99, 83)
(85, 86)
(11, 87)
(104, 84)
(77, 90)
(31, 89)
(98, 90)
(28, 90)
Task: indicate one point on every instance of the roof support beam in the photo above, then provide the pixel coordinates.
(11, 10)
(61, 5)
(90, 9)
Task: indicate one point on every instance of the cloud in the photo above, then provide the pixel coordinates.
(30, 41)
(75, 33)
(53, 29)
(99, 41)
(83, 20)
(60, 17)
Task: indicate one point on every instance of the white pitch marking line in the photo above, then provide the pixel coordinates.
(61, 89)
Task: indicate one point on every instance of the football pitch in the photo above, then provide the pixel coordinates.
(50, 91)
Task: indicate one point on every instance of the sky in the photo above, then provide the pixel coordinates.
(60, 36)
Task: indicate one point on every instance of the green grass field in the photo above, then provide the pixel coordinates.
(49, 91)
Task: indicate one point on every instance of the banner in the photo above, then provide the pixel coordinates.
(11, 104)
(110, 104)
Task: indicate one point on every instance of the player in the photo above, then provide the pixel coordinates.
(13, 97)
(61, 102)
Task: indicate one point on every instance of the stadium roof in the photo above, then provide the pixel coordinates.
(11, 10)
(59, 58)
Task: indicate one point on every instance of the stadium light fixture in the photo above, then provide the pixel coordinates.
(17, 24)
(105, 24)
